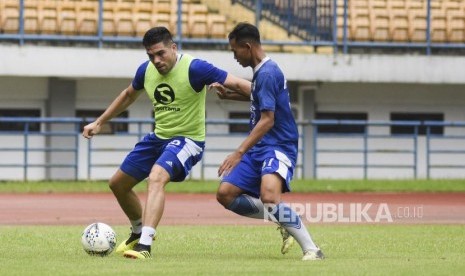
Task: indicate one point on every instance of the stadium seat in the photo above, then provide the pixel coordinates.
(124, 18)
(360, 19)
(399, 25)
(456, 26)
(379, 20)
(109, 18)
(87, 18)
(438, 27)
(417, 25)
(67, 18)
(162, 16)
(48, 17)
(144, 14)
(415, 5)
(216, 26)
(10, 16)
(451, 5)
(197, 20)
(31, 17)
(395, 5)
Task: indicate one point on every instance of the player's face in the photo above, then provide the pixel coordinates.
(241, 51)
(163, 56)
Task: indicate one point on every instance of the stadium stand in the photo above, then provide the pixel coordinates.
(402, 20)
(120, 17)
(309, 22)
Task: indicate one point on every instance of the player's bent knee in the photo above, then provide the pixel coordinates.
(225, 198)
(221, 198)
(269, 199)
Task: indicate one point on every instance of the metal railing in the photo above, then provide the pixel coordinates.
(442, 152)
(374, 149)
(320, 25)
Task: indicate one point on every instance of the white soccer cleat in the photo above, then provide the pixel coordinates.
(313, 255)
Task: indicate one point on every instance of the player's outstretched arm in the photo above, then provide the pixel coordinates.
(119, 104)
(238, 85)
(226, 94)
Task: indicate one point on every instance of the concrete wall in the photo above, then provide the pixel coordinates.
(92, 78)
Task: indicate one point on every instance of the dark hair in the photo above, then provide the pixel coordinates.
(245, 32)
(156, 35)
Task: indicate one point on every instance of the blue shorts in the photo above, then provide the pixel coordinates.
(247, 175)
(176, 155)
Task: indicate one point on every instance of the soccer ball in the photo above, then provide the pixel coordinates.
(98, 239)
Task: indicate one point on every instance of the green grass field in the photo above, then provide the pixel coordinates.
(356, 249)
(249, 250)
(452, 185)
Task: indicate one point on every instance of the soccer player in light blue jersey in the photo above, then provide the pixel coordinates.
(260, 170)
(176, 85)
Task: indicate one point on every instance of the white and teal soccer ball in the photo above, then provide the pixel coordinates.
(98, 239)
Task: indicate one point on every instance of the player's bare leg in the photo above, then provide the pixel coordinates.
(153, 212)
(270, 194)
(121, 185)
(155, 203)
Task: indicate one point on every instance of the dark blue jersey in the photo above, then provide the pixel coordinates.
(201, 73)
(270, 93)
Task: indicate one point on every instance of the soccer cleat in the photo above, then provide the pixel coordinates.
(313, 255)
(129, 243)
(288, 240)
(140, 251)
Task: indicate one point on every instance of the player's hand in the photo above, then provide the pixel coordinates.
(219, 89)
(91, 129)
(229, 163)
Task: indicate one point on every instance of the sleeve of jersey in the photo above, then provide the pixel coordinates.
(202, 73)
(138, 81)
(267, 91)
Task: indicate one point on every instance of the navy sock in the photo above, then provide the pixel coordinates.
(247, 206)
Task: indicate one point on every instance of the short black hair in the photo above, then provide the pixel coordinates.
(156, 35)
(245, 32)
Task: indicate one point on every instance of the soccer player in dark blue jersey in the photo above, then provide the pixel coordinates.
(261, 168)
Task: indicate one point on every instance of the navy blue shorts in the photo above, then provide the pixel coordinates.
(176, 155)
(247, 175)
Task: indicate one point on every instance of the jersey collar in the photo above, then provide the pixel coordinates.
(260, 64)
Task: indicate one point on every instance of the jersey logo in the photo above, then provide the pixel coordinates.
(164, 94)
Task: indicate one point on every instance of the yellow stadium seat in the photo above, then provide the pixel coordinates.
(197, 20)
(360, 19)
(124, 19)
(48, 17)
(87, 18)
(456, 26)
(379, 20)
(144, 14)
(109, 19)
(399, 25)
(31, 17)
(438, 26)
(417, 25)
(67, 18)
(395, 5)
(216, 26)
(10, 16)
